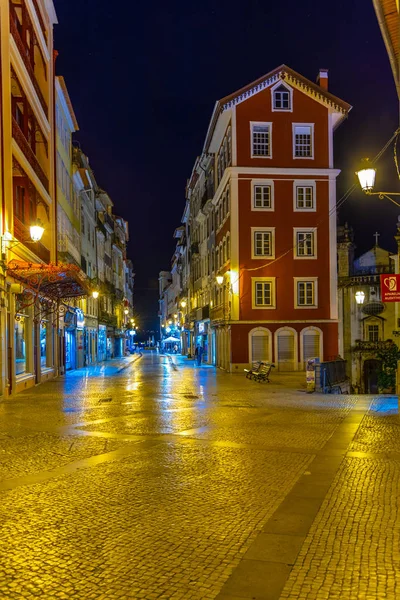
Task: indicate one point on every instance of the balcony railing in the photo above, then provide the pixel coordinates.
(108, 220)
(24, 52)
(21, 232)
(101, 227)
(219, 313)
(23, 143)
(107, 319)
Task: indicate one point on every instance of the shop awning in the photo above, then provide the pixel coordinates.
(54, 282)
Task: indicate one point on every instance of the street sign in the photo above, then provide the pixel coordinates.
(390, 287)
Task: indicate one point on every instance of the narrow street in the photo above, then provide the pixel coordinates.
(157, 480)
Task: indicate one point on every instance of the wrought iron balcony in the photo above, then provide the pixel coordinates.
(107, 319)
(24, 52)
(23, 143)
(220, 313)
(21, 232)
(367, 346)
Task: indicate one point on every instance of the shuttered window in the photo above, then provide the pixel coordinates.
(311, 345)
(259, 346)
(285, 347)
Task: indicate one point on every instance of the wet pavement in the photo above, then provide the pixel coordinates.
(151, 478)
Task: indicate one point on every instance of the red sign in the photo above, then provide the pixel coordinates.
(390, 287)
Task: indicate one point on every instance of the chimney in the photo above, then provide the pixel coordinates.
(322, 79)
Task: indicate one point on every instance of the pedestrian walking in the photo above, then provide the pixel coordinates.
(198, 354)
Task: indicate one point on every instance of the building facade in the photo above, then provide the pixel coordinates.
(261, 229)
(370, 325)
(48, 267)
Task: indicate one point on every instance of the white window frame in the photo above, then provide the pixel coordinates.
(304, 183)
(271, 280)
(297, 230)
(289, 89)
(263, 124)
(261, 182)
(296, 281)
(270, 230)
(311, 125)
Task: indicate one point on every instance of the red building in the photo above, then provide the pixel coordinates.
(269, 275)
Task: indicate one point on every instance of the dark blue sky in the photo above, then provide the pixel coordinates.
(144, 76)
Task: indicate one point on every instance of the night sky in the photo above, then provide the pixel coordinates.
(143, 79)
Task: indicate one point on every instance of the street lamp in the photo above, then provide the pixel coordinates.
(220, 279)
(8, 242)
(36, 231)
(126, 311)
(183, 303)
(366, 176)
(360, 297)
(95, 294)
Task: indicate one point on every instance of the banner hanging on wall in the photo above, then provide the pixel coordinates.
(390, 288)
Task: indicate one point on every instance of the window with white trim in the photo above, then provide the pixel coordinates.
(373, 333)
(303, 141)
(262, 196)
(304, 197)
(305, 244)
(263, 293)
(263, 243)
(281, 98)
(261, 139)
(306, 293)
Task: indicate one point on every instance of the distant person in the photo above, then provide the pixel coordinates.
(198, 354)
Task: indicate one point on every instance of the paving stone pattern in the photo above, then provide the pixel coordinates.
(161, 491)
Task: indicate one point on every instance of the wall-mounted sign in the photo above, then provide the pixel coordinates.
(80, 319)
(201, 327)
(390, 288)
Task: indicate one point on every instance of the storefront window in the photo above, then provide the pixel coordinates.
(20, 331)
(43, 344)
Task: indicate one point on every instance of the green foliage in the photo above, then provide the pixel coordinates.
(388, 356)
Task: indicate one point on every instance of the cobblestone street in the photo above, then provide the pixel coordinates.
(163, 480)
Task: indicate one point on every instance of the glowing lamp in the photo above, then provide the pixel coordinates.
(36, 232)
(95, 294)
(366, 176)
(220, 279)
(360, 296)
(183, 303)
(126, 311)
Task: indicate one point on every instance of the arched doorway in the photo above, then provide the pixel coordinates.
(310, 344)
(260, 345)
(286, 349)
(371, 371)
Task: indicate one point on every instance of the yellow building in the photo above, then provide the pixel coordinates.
(32, 287)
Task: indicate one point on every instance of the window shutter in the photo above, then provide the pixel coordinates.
(285, 347)
(259, 347)
(311, 345)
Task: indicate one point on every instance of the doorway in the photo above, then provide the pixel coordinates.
(286, 350)
(371, 371)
